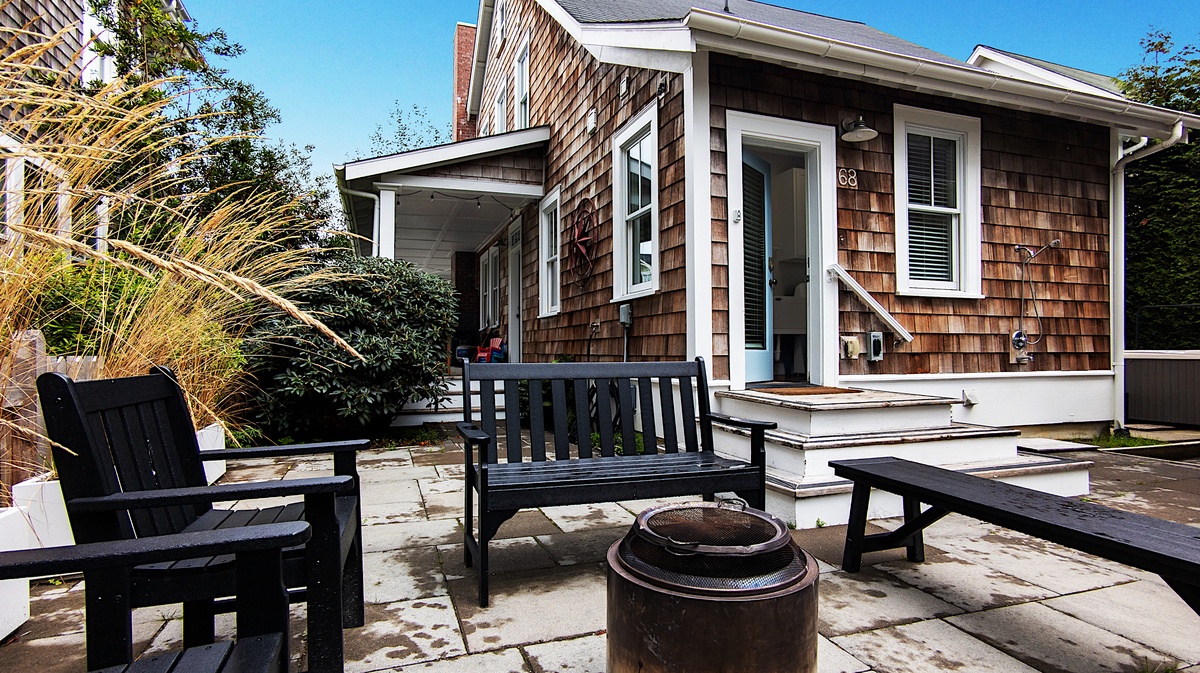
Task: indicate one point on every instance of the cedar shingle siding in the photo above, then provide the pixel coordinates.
(1042, 178)
(566, 82)
(41, 17)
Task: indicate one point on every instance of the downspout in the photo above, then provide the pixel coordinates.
(1117, 300)
(375, 216)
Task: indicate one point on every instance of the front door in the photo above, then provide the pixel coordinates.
(756, 205)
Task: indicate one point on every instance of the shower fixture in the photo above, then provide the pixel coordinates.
(1021, 338)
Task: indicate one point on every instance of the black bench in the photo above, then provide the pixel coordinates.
(262, 602)
(1169, 549)
(574, 401)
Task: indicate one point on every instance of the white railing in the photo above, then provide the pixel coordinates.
(836, 271)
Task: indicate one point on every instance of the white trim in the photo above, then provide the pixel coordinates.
(837, 271)
(516, 286)
(968, 261)
(521, 85)
(387, 223)
(643, 124)
(430, 157)
(464, 185)
(1015, 67)
(483, 41)
(819, 143)
(500, 110)
(659, 45)
(1162, 355)
(698, 208)
(546, 283)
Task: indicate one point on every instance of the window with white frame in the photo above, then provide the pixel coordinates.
(501, 19)
(500, 111)
(938, 213)
(550, 246)
(635, 206)
(521, 88)
(489, 287)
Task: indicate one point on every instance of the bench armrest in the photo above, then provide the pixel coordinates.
(286, 450)
(743, 422)
(473, 435)
(194, 495)
(155, 549)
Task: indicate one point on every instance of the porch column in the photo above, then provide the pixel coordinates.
(387, 223)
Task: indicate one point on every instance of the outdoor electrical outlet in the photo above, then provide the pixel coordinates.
(875, 346)
(851, 347)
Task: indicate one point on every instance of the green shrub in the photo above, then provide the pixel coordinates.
(80, 298)
(397, 317)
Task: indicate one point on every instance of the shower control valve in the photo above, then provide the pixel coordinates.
(1020, 340)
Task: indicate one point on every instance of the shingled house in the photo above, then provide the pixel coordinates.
(791, 196)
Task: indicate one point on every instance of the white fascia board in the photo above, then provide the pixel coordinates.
(792, 48)
(464, 186)
(483, 40)
(1023, 69)
(665, 45)
(475, 148)
(665, 61)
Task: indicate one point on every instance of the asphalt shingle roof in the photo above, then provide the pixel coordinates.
(853, 32)
(1094, 79)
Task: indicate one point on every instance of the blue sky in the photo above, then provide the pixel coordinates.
(335, 68)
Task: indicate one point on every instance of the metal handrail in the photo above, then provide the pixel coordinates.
(836, 271)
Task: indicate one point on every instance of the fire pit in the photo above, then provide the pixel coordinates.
(711, 587)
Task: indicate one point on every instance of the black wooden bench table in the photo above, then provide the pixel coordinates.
(570, 401)
(1168, 549)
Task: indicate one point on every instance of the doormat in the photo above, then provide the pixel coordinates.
(807, 390)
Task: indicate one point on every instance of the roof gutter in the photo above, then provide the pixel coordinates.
(946, 78)
(1117, 271)
(340, 173)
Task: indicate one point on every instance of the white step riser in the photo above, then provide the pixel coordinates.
(813, 464)
(841, 421)
(417, 419)
(834, 509)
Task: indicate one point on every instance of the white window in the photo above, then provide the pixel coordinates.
(489, 287)
(501, 19)
(550, 246)
(635, 206)
(500, 111)
(521, 89)
(938, 213)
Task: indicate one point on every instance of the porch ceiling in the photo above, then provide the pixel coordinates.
(431, 224)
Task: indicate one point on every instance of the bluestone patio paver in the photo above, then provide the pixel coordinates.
(402, 574)
(577, 655)
(1051, 640)
(507, 555)
(405, 632)
(930, 646)
(589, 546)
(833, 659)
(970, 586)
(870, 599)
(505, 661)
(571, 518)
(1146, 612)
(387, 536)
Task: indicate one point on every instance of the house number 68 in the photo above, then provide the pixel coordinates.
(847, 178)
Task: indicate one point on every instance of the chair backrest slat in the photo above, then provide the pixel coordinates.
(512, 421)
(558, 397)
(583, 418)
(616, 401)
(666, 397)
(537, 420)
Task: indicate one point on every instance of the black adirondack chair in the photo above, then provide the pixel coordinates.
(262, 602)
(130, 467)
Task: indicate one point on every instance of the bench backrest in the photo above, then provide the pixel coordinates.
(126, 434)
(588, 409)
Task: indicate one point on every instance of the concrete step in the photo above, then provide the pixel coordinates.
(838, 413)
(808, 456)
(814, 502)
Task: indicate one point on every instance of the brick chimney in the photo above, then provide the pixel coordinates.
(462, 127)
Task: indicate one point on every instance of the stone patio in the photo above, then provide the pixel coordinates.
(987, 599)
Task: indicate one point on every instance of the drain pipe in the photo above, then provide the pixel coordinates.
(1117, 299)
(375, 216)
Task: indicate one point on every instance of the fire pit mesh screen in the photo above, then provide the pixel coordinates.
(712, 526)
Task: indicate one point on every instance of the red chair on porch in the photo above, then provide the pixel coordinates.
(493, 352)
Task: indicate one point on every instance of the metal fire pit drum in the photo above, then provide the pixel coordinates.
(710, 587)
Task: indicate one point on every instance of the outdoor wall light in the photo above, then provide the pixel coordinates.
(857, 131)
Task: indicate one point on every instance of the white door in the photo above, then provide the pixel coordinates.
(756, 236)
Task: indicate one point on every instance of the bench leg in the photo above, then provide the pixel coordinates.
(198, 619)
(353, 610)
(916, 543)
(856, 528)
(468, 518)
(324, 560)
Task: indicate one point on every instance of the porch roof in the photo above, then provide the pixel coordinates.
(424, 205)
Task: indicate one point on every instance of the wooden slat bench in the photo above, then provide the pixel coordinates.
(1169, 549)
(509, 477)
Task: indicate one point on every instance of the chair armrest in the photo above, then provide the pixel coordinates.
(194, 495)
(743, 422)
(472, 434)
(155, 549)
(286, 450)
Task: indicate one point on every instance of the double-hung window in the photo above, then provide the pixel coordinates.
(938, 215)
(635, 206)
(521, 88)
(489, 287)
(549, 257)
(500, 111)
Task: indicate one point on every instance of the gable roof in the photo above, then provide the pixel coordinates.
(1036, 69)
(649, 11)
